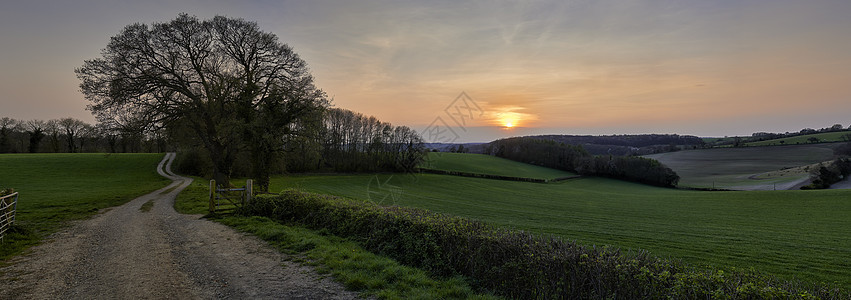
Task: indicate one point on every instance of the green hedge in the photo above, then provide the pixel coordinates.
(518, 264)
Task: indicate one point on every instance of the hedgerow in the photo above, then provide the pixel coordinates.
(518, 264)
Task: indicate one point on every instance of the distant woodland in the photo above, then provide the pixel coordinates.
(574, 158)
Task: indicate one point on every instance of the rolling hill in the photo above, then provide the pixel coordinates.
(748, 168)
(489, 165)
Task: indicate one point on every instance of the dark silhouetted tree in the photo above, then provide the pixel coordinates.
(221, 78)
(35, 128)
(7, 127)
(73, 129)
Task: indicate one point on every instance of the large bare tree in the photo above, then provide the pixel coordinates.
(73, 129)
(7, 126)
(236, 87)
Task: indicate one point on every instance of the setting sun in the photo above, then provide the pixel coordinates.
(509, 124)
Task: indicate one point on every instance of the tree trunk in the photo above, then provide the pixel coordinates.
(222, 163)
(260, 160)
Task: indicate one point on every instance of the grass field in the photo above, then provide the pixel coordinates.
(56, 188)
(491, 165)
(804, 234)
(744, 168)
(826, 137)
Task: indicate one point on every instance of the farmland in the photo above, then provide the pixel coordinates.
(826, 137)
(56, 188)
(491, 165)
(749, 168)
(804, 234)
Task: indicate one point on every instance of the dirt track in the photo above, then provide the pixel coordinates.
(125, 253)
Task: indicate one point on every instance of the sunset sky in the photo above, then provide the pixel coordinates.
(707, 68)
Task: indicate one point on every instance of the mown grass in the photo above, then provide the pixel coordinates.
(490, 165)
(57, 188)
(790, 234)
(827, 137)
(358, 269)
(734, 167)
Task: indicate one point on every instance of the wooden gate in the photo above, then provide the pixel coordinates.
(228, 200)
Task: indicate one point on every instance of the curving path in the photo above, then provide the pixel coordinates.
(125, 253)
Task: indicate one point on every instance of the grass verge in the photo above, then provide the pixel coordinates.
(356, 268)
(57, 188)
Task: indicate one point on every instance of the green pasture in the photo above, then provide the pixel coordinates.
(56, 188)
(741, 168)
(491, 165)
(791, 234)
(827, 137)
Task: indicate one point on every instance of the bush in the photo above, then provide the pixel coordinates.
(517, 264)
(829, 174)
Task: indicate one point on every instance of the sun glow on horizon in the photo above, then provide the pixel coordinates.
(510, 117)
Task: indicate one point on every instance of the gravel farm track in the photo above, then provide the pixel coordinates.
(126, 253)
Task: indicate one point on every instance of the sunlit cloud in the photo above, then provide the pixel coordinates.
(508, 116)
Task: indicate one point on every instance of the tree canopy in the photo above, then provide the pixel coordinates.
(235, 87)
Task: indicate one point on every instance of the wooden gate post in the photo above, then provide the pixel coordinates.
(212, 196)
(249, 191)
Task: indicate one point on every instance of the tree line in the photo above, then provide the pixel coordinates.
(330, 140)
(236, 95)
(70, 135)
(629, 140)
(763, 136)
(574, 158)
(348, 141)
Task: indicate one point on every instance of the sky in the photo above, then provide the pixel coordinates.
(461, 71)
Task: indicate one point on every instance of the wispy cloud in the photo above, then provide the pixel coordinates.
(618, 65)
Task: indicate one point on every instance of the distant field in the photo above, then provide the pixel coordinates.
(745, 168)
(491, 165)
(804, 139)
(55, 188)
(788, 233)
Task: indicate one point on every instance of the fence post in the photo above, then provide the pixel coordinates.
(212, 196)
(15, 208)
(249, 191)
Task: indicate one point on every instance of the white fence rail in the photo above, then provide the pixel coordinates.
(8, 206)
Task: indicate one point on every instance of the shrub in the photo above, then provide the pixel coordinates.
(518, 264)
(829, 174)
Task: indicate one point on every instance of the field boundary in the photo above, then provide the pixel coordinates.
(519, 264)
(497, 177)
(7, 212)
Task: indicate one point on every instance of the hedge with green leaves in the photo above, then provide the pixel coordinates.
(518, 264)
